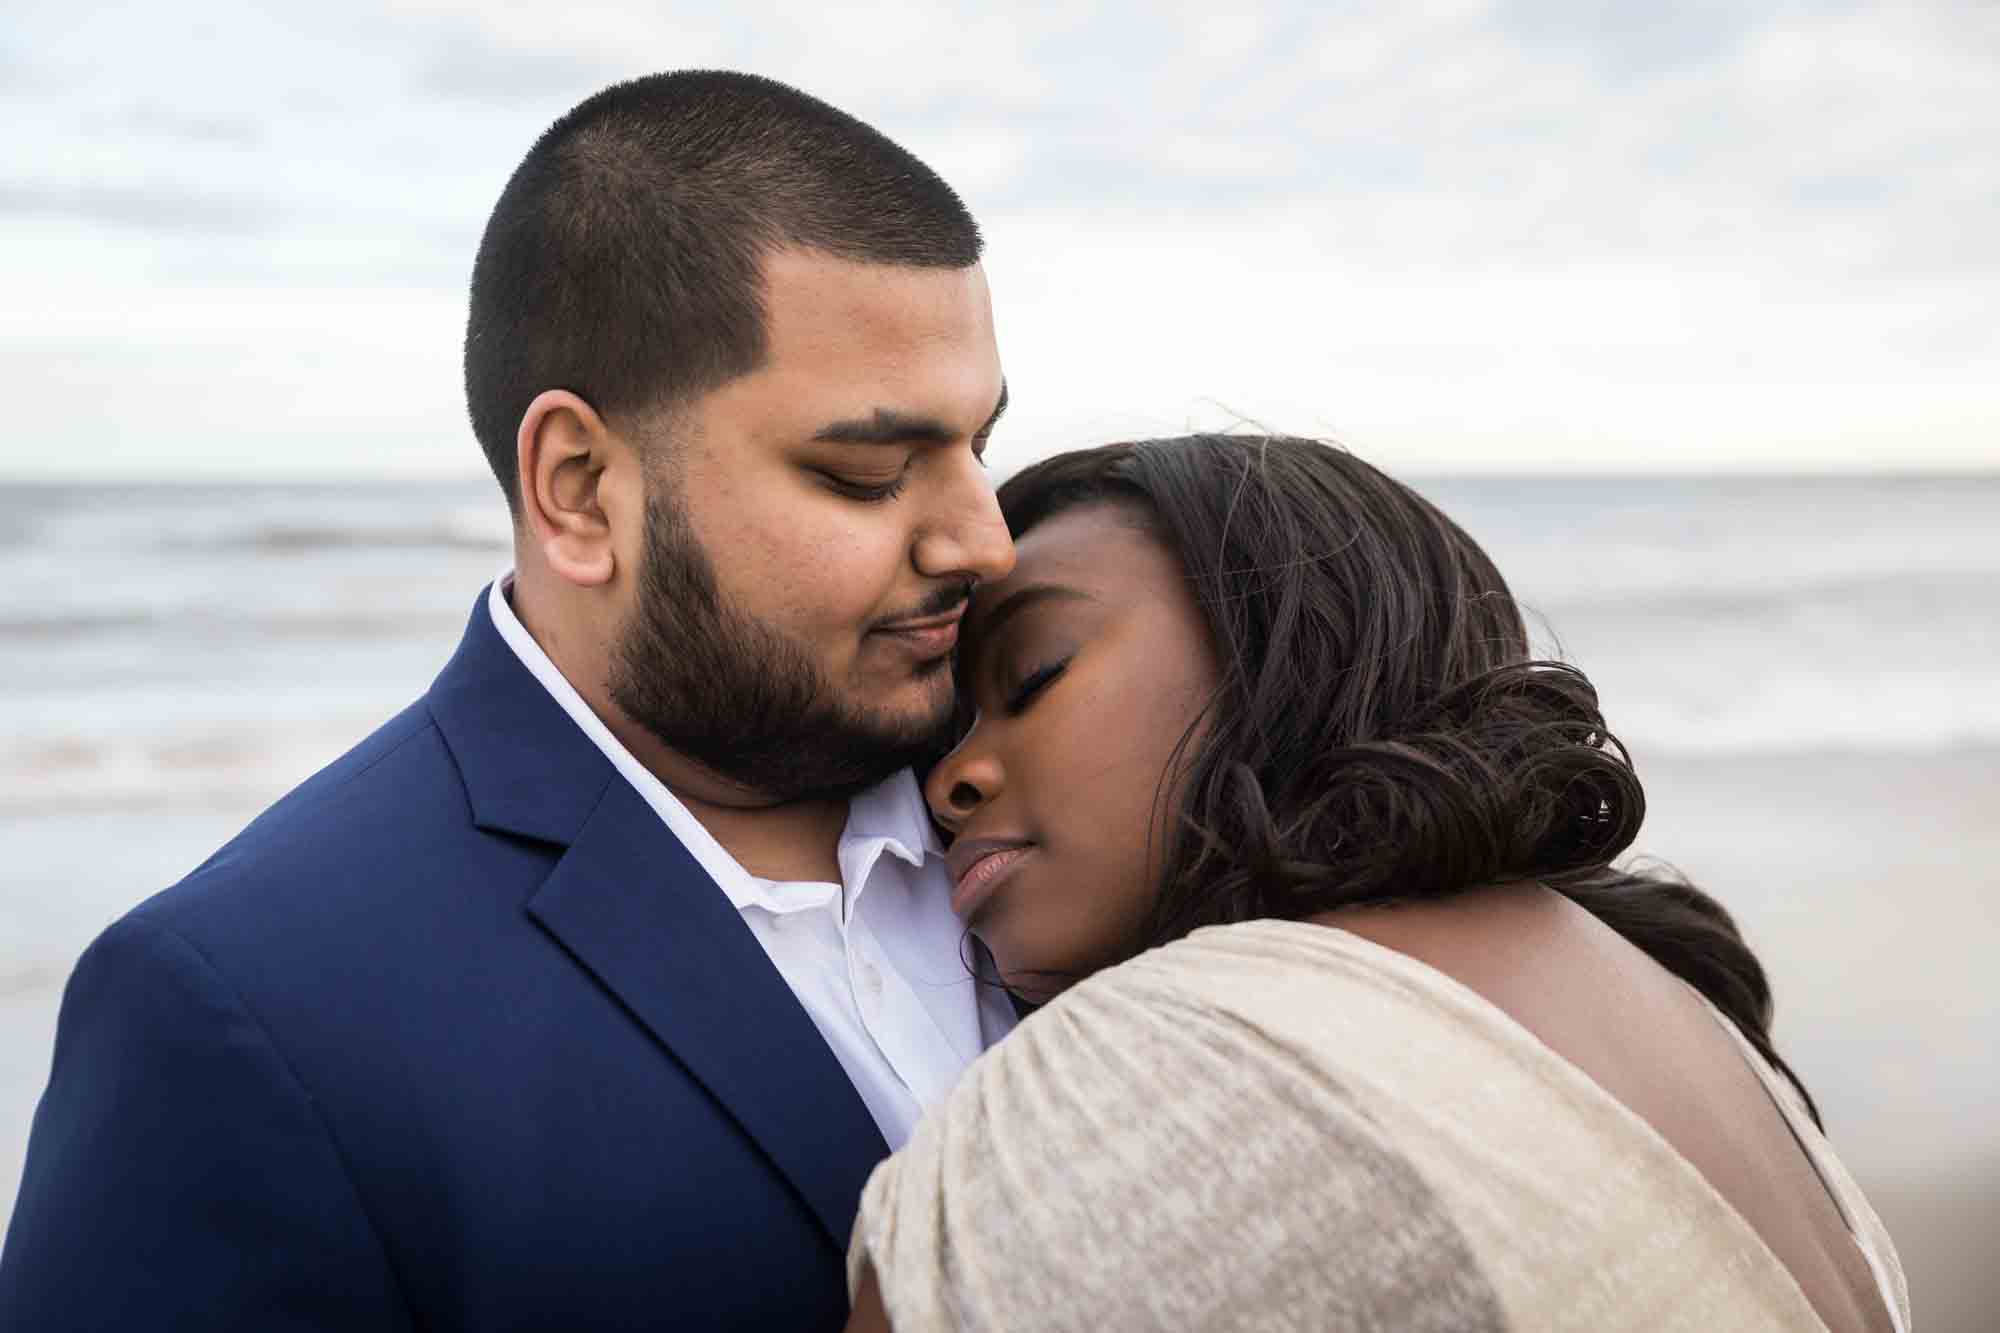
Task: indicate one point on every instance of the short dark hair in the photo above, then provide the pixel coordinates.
(1382, 731)
(623, 261)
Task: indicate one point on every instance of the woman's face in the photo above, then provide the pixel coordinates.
(1087, 665)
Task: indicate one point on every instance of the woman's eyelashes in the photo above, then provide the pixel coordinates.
(1033, 684)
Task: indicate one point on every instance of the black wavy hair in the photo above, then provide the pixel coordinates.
(1381, 731)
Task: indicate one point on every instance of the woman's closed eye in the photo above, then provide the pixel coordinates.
(1033, 684)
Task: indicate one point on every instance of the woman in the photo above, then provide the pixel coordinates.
(1347, 1022)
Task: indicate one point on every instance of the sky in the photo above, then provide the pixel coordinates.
(1525, 236)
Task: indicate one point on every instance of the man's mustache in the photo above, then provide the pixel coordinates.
(941, 600)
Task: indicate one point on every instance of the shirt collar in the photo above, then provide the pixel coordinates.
(889, 816)
(894, 811)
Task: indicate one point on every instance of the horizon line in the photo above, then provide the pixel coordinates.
(1525, 472)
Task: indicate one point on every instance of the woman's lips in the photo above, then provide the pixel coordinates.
(977, 867)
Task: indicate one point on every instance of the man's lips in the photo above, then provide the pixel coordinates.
(977, 865)
(932, 635)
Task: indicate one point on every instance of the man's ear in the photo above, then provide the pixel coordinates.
(563, 452)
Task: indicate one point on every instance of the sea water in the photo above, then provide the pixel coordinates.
(170, 647)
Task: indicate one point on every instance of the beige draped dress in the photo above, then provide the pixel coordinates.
(1280, 1126)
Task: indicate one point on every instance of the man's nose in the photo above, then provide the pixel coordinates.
(965, 535)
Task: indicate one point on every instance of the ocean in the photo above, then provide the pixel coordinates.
(185, 647)
(1770, 647)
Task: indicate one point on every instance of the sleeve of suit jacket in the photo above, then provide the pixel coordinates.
(178, 1175)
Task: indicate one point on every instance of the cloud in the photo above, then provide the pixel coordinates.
(152, 208)
(1459, 226)
(468, 62)
(153, 118)
(1629, 41)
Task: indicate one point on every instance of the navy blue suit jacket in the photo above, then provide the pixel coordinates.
(455, 1036)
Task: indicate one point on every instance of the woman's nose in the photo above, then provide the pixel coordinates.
(963, 781)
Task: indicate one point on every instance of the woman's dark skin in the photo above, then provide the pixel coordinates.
(868, 1315)
(1090, 662)
(1583, 991)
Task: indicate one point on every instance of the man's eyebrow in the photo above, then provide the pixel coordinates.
(888, 426)
(885, 427)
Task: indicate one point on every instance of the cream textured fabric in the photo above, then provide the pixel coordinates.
(1279, 1126)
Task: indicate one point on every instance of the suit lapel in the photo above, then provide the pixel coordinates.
(638, 912)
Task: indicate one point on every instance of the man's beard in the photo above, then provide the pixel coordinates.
(741, 697)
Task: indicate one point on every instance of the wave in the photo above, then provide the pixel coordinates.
(293, 539)
(277, 524)
(70, 627)
(1587, 573)
(1847, 619)
(1591, 542)
(215, 768)
(75, 624)
(1911, 709)
(475, 530)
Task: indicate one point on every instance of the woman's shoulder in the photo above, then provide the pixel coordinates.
(1290, 975)
(1104, 1153)
(1296, 1081)
(1244, 1013)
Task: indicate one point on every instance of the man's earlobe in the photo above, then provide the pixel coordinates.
(562, 451)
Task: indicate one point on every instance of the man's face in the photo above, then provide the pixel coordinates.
(813, 529)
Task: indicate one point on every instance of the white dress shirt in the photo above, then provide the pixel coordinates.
(878, 961)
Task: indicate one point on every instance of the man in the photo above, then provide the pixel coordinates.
(586, 992)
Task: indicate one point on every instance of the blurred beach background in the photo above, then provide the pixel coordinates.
(1806, 670)
(1690, 313)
